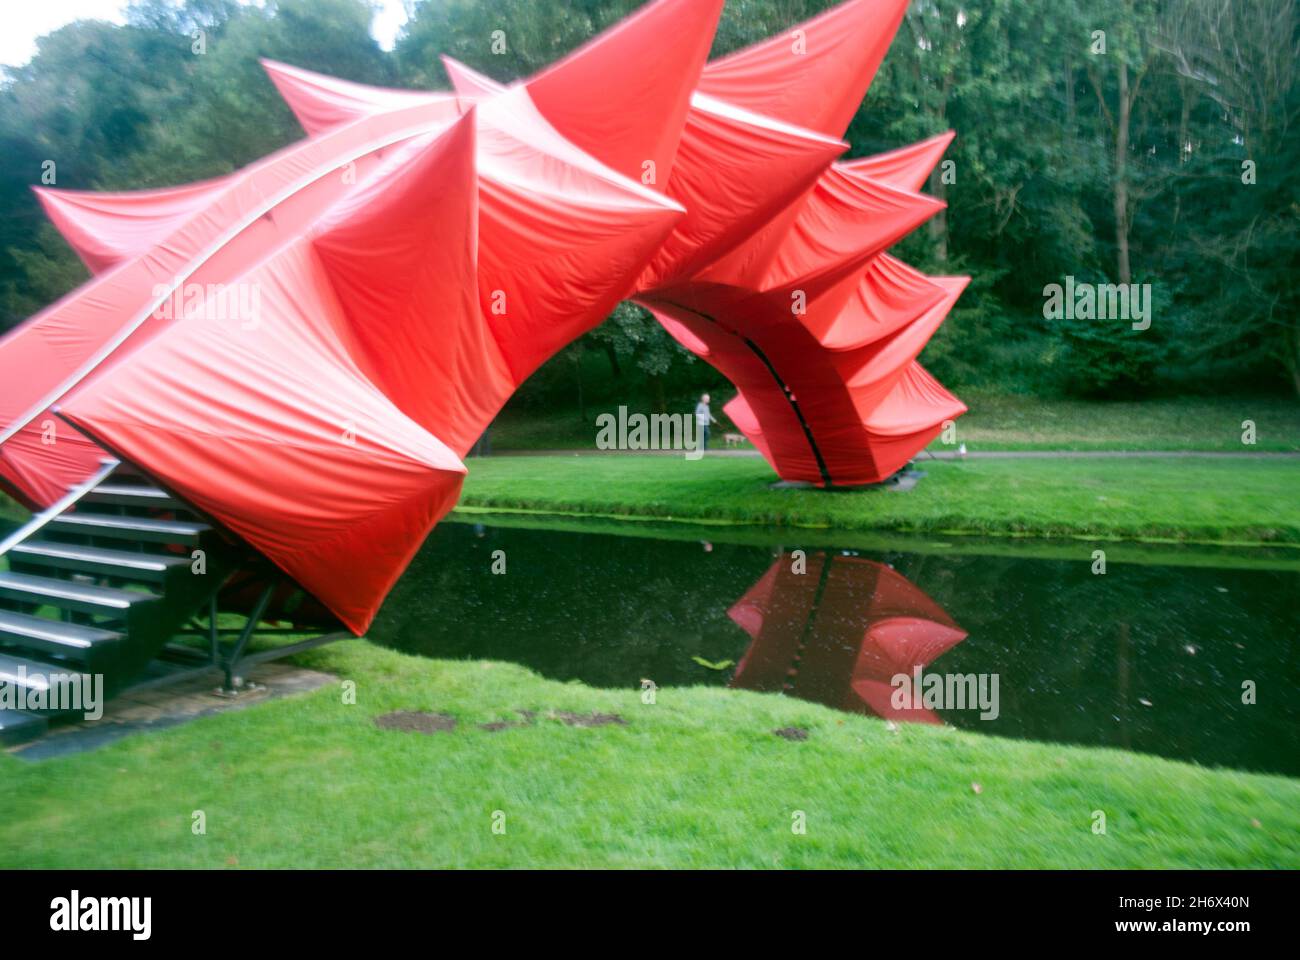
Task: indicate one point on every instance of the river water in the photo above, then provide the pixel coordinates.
(1157, 659)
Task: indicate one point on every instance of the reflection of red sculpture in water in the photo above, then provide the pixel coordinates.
(838, 633)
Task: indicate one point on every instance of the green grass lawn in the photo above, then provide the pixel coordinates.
(1206, 501)
(1003, 422)
(1010, 422)
(11, 513)
(697, 779)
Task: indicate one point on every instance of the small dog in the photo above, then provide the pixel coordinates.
(733, 439)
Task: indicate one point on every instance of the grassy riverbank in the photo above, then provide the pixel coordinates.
(1144, 499)
(697, 779)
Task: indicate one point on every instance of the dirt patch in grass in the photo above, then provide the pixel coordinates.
(792, 733)
(497, 725)
(415, 721)
(529, 718)
(589, 719)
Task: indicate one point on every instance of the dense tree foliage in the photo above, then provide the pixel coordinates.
(1111, 141)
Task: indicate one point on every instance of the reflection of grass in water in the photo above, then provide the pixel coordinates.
(1280, 557)
(698, 779)
(1187, 500)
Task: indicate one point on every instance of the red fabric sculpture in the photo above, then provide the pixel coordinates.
(306, 348)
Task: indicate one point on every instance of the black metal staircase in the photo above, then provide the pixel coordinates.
(98, 586)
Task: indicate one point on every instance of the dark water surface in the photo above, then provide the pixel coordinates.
(1146, 658)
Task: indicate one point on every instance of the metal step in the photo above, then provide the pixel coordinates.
(129, 528)
(35, 674)
(60, 629)
(134, 495)
(53, 636)
(19, 726)
(21, 672)
(70, 595)
(151, 567)
(60, 684)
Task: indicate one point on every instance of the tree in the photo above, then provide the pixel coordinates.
(1241, 58)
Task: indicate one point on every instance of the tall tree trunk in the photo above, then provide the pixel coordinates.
(1071, 122)
(1291, 355)
(1121, 177)
(939, 222)
(582, 399)
(657, 386)
(938, 226)
(1184, 121)
(615, 368)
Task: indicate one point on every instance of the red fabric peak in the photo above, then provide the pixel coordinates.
(816, 73)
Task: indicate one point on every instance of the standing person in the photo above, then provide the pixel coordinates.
(703, 417)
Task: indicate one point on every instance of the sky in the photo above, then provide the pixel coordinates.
(22, 21)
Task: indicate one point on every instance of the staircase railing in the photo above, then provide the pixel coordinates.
(59, 506)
